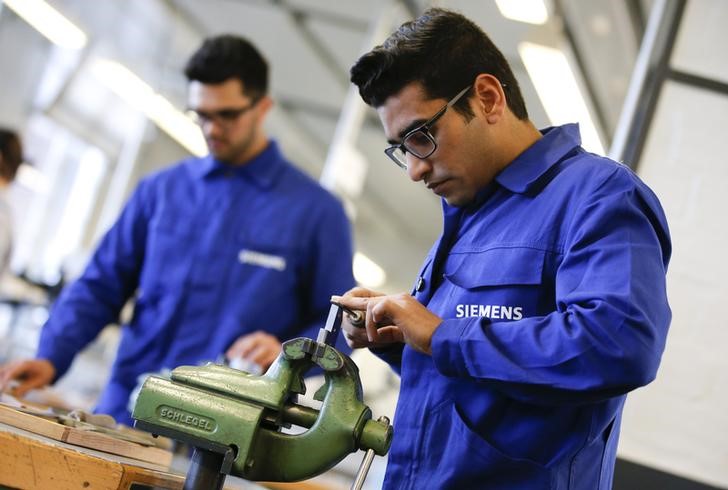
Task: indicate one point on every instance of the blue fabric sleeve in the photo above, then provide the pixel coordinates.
(95, 300)
(392, 356)
(608, 330)
(330, 269)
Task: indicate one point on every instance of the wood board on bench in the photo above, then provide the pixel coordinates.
(100, 441)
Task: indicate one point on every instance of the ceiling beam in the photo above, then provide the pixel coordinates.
(586, 76)
(344, 21)
(300, 21)
(638, 19)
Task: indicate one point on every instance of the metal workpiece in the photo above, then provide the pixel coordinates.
(355, 317)
(241, 417)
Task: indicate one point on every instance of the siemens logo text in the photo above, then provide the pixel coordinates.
(497, 312)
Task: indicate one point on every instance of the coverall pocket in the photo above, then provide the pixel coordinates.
(496, 267)
(498, 283)
(454, 456)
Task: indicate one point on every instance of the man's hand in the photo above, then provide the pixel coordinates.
(389, 319)
(259, 347)
(30, 374)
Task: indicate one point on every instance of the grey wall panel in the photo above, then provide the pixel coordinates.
(679, 422)
(702, 40)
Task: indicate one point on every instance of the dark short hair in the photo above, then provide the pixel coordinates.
(442, 50)
(12, 154)
(227, 56)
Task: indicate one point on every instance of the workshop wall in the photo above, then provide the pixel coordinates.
(679, 422)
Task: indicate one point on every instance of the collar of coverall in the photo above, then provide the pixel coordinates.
(263, 170)
(524, 173)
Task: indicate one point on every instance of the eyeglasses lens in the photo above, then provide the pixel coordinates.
(419, 144)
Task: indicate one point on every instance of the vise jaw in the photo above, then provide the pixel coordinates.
(241, 416)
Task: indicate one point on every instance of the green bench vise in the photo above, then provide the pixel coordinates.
(236, 420)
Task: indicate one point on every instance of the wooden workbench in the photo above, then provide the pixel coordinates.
(34, 462)
(29, 461)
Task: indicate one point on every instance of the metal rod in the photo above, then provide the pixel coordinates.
(698, 81)
(361, 474)
(299, 415)
(366, 463)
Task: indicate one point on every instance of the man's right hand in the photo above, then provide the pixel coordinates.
(357, 337)
(389, 319)
(30, 374)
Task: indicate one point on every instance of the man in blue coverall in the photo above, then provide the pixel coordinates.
(231, 253)
(542, 304)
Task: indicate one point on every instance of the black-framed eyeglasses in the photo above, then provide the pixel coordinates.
(224, 117)
(419, 141)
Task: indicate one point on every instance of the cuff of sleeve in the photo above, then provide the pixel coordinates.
(60, 362)
(391, 355)
(446, 352)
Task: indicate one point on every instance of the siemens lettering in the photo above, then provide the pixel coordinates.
(496, 312)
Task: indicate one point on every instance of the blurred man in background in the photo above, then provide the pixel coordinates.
(228, 254)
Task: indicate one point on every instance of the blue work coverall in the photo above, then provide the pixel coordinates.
(212, 252)
(552, 290)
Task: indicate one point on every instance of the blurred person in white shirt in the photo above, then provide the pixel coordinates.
(11, 156)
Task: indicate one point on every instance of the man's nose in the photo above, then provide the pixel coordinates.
(212, 127)
(417, 168)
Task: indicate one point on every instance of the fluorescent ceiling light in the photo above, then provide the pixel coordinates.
(49, 22)
(367, 272)
(530, 11)
(559, 92)
(137, 93)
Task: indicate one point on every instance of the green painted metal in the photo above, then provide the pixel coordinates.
(225, 406)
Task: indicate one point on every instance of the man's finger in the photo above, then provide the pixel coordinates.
(390, 334)
(260, 355)
(353, 302)
(251, 342)
(240, 348)
(361, 292)
(8, 373)
(374, 319)
(255, 355)
(29, 385)
(3, 378)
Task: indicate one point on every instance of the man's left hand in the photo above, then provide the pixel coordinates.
(259, 347)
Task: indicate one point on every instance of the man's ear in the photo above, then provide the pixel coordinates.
(491, 98)
(265, 104)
